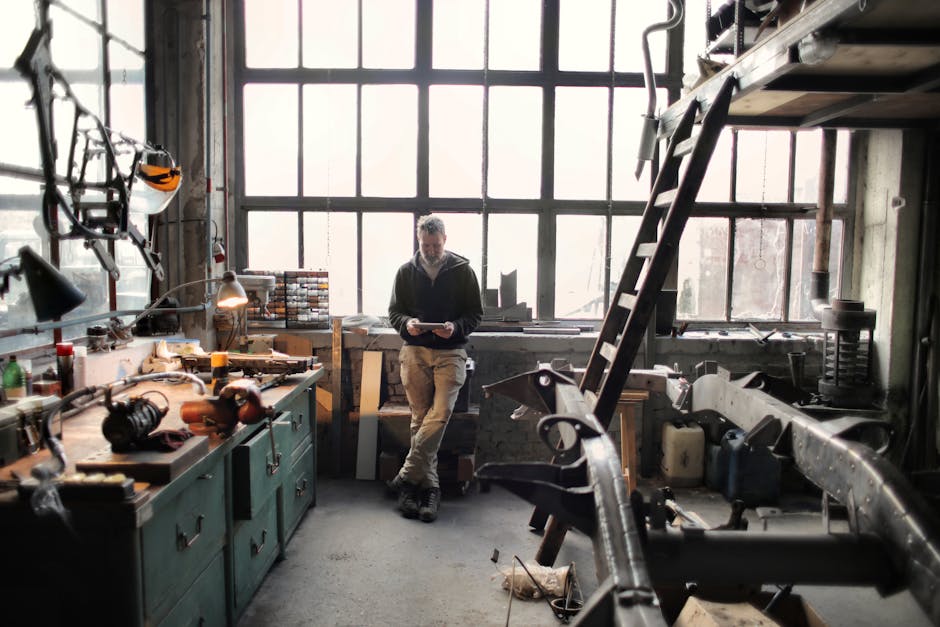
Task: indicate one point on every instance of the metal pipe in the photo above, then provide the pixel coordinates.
(819, 283)
(650, 122)
(767, 558)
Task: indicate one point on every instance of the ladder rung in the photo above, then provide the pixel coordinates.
(646, 250)
(685, 146)
(665, 198)
(608, 351)
(627, 300)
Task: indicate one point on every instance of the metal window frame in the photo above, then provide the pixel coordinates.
(423, 76)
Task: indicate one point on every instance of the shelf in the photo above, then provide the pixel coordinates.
(878, 67)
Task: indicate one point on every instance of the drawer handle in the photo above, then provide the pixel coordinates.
(274, 462)
(182, 542)
(256, 548)
(300, 488)
(295, 425)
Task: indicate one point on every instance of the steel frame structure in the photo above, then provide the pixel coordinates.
(893, 540)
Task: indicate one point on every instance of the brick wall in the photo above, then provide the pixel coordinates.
(503, 355)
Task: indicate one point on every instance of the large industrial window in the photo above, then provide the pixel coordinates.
(519, 121)
(98, 45)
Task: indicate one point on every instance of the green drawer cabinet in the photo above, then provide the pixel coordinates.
(254, 549)
(203, 605)
(181, 539)
(299, 490)
(298, 413)
(191, 552)
(258, 467)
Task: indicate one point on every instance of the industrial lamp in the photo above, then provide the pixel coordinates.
(53, 295)
(231, 295)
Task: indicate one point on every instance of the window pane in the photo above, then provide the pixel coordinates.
(128, 114)
(703, 269)
(512, 244)
(580, 245)
(20, 228)
(808, 156)
(632, 18)
(271, 33)
(388, 33)
(82, 268)
(458, 34)
(622, 235)
(629, 108)
(387, 242)
(330, 243)
(515, 34)
(19, 19)
(581, 142)
(759, 264)
(584, 35)
(763, 166)
(806, 168)
(804, 243)
(465, 237)
(272, 240)
(270, 140)
(716, 186)
(330, 34)
(126, 20)
(840, 191)
(75, 45)
(330, 140)
(389, 140)
(133, 288)
(456, 141)
(20, 145)
(515, 142)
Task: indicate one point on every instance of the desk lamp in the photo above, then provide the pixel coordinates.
(231, 295)
(53, 295)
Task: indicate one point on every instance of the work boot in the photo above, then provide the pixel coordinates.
(430, 502)
(408, 499)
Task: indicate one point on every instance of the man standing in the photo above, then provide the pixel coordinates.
(435, 305)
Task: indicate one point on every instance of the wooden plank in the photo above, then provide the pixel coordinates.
(336, 380)
(368, 414)
(156, 467)
(324, 404)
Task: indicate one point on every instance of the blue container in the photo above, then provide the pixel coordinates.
(716, 467)
(753, 471)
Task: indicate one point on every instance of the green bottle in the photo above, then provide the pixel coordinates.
(14, 380)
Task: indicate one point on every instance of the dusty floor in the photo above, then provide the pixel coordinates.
(355, 561)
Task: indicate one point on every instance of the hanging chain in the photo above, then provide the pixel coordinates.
(760, 264)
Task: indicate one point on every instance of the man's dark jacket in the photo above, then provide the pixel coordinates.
(454, 296)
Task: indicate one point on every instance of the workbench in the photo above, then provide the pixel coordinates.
(192, 550)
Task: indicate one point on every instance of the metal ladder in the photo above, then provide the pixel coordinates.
(655, 249)
(633, 303)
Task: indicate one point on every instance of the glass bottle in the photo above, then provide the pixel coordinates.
(14, 381)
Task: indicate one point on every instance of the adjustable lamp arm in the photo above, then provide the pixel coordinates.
(228, 277)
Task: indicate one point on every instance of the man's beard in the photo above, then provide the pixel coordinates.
(432, 261)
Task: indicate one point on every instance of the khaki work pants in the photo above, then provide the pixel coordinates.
(432, 378)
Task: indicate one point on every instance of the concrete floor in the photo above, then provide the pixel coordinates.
(355, 561)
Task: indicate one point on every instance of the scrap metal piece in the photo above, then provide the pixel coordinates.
(534, 389)
(885, 503)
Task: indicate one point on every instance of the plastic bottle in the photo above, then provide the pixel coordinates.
(65, 362)
(219, 363)
(14, 381)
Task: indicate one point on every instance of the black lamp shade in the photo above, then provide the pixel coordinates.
(52, 294)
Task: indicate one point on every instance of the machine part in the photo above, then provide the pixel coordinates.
(131, 420)
(885, 503)
(848, 351)
(894, 542)
(238, 402)
(97, 338)
(95, 210)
